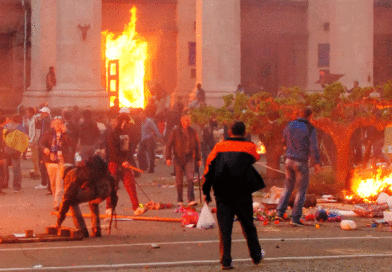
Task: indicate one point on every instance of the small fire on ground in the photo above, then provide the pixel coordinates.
(261, 148)
(132, 52)
(367, 184)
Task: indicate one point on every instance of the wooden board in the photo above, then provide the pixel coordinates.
(145, 218)
(38, 238)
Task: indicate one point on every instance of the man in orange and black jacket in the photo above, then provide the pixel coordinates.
(230, 172)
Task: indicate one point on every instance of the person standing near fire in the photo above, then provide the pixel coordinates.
(55, 145)
(231, 174)
(184, 144)
(147, 146)
(117, 150)
(43, 123)
(34, 134)
(300, 140)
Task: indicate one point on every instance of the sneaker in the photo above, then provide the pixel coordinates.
(180, 204)
(297, 224)
(280, 218)
(41, 187)
(256, 262)
(227, 267)
(16, 191)
(139, 211)
(192, 203)
(108, 214)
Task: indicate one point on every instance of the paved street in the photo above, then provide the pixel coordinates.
(130, 247)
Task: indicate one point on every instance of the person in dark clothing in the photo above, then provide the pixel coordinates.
(231, 174)
(301, 143)
(208, 141)
(135, 133)
(184, 144)
(173, 120)
(50, 79)
(88, 135)
(73, 133)
(198, 97)
(90, 183)
(43, 125)
(147, 146)
(117, 149)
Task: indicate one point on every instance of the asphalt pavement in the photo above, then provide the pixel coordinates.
(140, 245)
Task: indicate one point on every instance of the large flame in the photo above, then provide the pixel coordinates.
(367, 185)
(131, 51)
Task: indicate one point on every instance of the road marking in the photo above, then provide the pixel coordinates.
(196, 242)
(182, 263)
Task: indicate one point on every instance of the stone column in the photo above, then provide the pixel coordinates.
(218, 47)
(43, 49)
(78, 60)
(352, 41)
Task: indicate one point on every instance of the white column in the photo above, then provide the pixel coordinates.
(78, 61)
(318, 15)
(352, 41)
(218, 47)
(43, 49)
(186, 18)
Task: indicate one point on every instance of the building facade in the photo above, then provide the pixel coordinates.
(261, 44)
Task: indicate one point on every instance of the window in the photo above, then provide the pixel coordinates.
(323, 55)
(191, 53)
(193, 73)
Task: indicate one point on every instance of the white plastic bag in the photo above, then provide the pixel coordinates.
(206, 220)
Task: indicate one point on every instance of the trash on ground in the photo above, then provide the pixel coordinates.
(348, 225)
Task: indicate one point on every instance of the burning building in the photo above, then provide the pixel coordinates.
(261, 44)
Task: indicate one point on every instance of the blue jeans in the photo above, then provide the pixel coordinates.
(295, 172)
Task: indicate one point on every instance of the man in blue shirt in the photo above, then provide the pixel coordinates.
(301, 143)
(149, 132)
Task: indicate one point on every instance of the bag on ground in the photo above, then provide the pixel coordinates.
(206, 220)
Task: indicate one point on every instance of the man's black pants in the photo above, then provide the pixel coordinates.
(226, 210)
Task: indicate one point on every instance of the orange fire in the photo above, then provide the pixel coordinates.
(261, 148)
(367, 185)
(132, 51)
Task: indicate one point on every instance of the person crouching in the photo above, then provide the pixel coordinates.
(90, 183)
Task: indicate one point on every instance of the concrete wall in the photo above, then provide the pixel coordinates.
(11, 54)
(186, 23)
(319, 15)
(382, 44)
(273, 45)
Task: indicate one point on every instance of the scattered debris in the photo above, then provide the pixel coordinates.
(371, 209)
(348, 225)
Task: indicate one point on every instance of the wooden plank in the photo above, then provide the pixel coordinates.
(38, 238)
(143, 218)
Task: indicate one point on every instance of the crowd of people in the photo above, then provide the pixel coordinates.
(71, 148)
